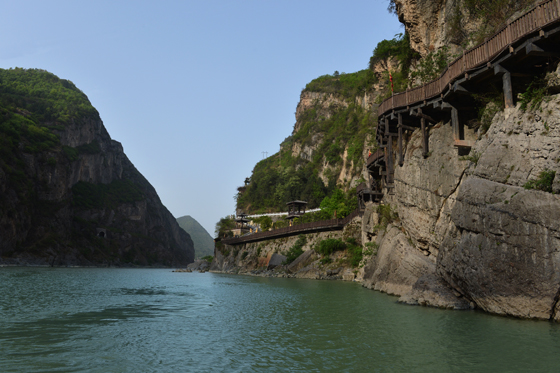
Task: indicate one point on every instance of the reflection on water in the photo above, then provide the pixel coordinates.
(153, 320)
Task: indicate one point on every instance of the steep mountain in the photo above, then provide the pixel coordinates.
(68, 193)
(203, 242)
(333, 131)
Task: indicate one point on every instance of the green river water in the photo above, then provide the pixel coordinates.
(154, 320)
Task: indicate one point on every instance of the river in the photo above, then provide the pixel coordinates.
(154, 320)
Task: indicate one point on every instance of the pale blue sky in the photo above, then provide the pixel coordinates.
(194, 90)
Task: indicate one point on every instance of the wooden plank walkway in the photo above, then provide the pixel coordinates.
(317, 226)
(542, 16)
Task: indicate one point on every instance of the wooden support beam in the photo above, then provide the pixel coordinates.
(459, 88)
(401, 157)
(424, 135)
(455, 124)
(534, 50)
(404, 126)
(427, 117)
(389, 160)
(506, 83)
(446, 106)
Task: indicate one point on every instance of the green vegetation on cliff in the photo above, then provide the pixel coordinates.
(33, 105)
(348, 86)
(330, 133)
(329, 129)
(224, 227)
(42, 97)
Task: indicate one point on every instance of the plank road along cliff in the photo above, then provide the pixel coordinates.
(452, 213)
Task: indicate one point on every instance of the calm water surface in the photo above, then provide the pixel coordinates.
(154, 320)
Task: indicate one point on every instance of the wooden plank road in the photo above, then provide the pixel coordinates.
(543, 15)
(317, 226)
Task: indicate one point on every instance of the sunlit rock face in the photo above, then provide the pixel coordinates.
(469, 233)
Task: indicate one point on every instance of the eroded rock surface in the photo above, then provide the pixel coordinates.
(468, 233)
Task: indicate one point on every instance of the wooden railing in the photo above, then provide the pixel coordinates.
(540, 16)
(375, 156)
(332, 224)
(361, 187)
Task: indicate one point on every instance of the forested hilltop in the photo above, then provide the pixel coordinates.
(203, 242)
(333, 133)
(68, 193)
(325, 151)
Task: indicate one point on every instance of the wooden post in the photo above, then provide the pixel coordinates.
(507, 87)
(386, 126)
(425, 150)
(389, 160)
(508, 91)
(455, 124)
(401, 160)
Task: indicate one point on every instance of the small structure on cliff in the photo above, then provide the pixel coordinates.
(367, 194)
(241, 225)
(295, 209)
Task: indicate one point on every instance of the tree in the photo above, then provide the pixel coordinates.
(224, 227)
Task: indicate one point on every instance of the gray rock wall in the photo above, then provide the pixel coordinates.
(468, 233)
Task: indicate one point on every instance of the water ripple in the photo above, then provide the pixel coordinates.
(139, 320)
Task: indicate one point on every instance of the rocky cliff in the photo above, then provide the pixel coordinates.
(326, 149)
(477, 231)
(454, 24)
(271, 257)
(68, 193)
(457, 231)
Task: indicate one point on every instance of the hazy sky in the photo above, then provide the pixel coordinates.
(194, 90)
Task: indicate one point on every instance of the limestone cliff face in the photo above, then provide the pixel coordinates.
(425, 22)
(325, 105)
(433, 24)
(503, 248)
(468, 233)
(82, 202)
